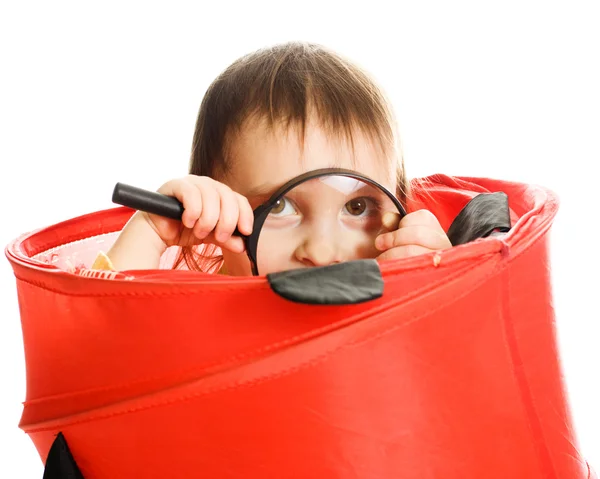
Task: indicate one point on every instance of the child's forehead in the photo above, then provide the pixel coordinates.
(279, 152)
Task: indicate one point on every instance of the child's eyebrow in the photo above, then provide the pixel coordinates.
(261, 193)
(265, 190)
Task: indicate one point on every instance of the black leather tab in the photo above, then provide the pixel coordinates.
(60, 463)
(483, 215)
(351, 282)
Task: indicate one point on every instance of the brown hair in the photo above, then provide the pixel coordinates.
(285, 84)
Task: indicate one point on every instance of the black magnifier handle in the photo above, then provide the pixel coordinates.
(148, 201)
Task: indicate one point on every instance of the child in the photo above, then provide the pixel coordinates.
(270, 116)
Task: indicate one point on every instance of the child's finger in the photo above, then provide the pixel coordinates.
(189, 196)
(390, 220)
(403, 252)
(415, 235)
(211, 206)
(228, 215)
(246, 220)
(420, 218)
(234, 244)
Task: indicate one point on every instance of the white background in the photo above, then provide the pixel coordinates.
(95, 93)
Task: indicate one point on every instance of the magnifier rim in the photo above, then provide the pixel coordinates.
(261, 212)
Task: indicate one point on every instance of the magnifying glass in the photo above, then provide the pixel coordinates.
(329, 210)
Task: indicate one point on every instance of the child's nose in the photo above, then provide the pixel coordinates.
(319, 251)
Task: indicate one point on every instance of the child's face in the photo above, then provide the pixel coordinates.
(262, 160)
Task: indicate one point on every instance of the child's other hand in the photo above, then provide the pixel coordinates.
(417, 233)
(212, 211)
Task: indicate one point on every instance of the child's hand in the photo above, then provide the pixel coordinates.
(212, 211)
(417, 233)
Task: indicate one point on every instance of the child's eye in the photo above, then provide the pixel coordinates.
(283, 207)
(360, 206)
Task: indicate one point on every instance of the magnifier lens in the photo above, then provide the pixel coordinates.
(320, 221)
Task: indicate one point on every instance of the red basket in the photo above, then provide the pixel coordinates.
(452, 373)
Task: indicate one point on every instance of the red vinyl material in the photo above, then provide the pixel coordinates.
(454, 373)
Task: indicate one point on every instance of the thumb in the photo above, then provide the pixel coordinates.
(234, 244)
